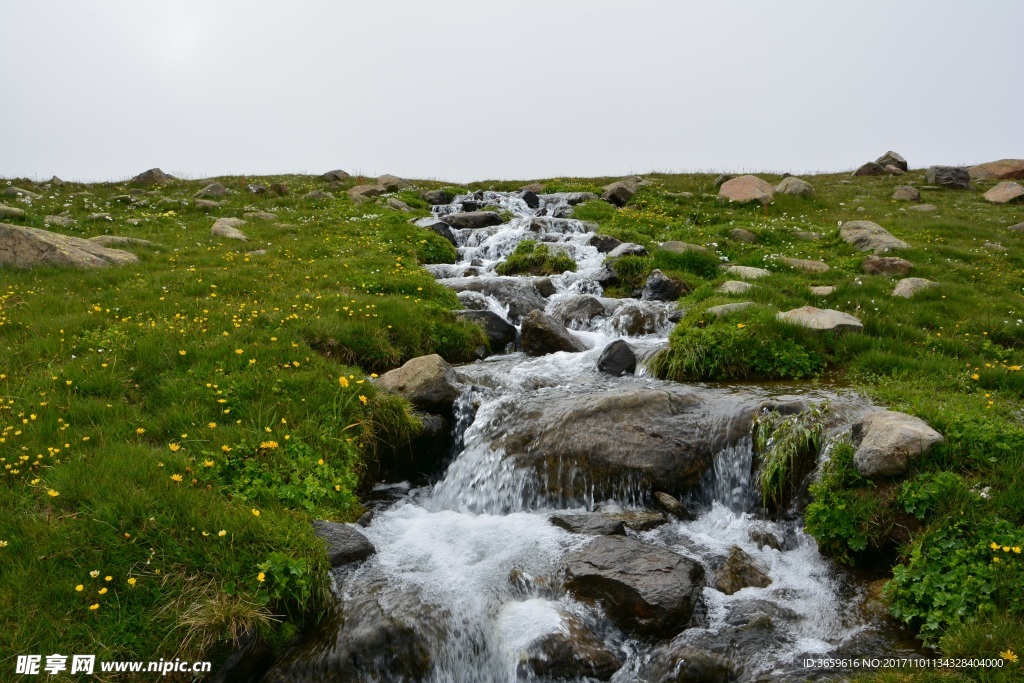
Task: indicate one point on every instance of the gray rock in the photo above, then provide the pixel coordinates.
(577, 312)
(473, 220)
(868, 236)
(643, 588)
(822, 319)
(618, 193)
(260, 215)
(228, 229)
(741, 235)
(205, 204)
(747, 188)
(681, 247)
(153, 176)
(722, 179)
(335, 176)
(824, 290)
(256, 188)
(635, 318)
(953, 177)
(870, 168)
(588, 524)
(617, 359)
(907, 193)
(344, 544)
(499, 332)
(1005, 192)
(570, 652)
(94, 217)
(891, 158)
(521, 296)
(26, 247)
(59, 221)
(398, 205)
(723, 310)
(638, 520)
(747, 272)
(795, 186)
(392, 183)
(627, 249)
(808, 235)
(660, 287)
(211, 191)
(435, 197)
(361, 194)
(1019, 227)
(886, 265)
(119, 241)
(473, 301)
(317, 195)
(545, 286)
(11, 212)
(671, 505)
(734, 287)
(922, 208)
(993, 246)
(910, 286)
(604, 243)
(679, 662)
(428, 382)
(805, 265)
(888, 441)
(542, 335)
(437, 226)
(738, 572)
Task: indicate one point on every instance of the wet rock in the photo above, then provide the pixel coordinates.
(907, 193)
(607, 277)
(887, 442)
(392, 183)
(723, 310)
(435, 197)
(317, 195)
(588, 524)
(741, 235)
(795, 186)
(891, 158)
(638, 521)
(604, 243)
(499, 332)
(738, 572)
(439, 227)
(747, 188)
(26, 247)
(886, 265)
(660, 287)
(618, 193)
(1005, 192)
(682, 247)
(633, 319)
(747, 272)
(763, 537)
(1004, 169)
(805, 265)
(734, 287)
(643, 588)
(519, 295)
(822, 319)
(571, 652)
(617, 359)
(910, 286)
(868, 236)
(473, 301)
(545, 286)
(578, 311)
(11, 212)
(344, 544)
(542, 334)
(361, 194)
(473, 220)
(153, 176)
(953, 177)
(679, 663)
(119, 241)
(335, 175)
(627, 249)
(211, 191)
(671, 505)
(869, 169)
(429, 383)
(228, 229)
(260, 215)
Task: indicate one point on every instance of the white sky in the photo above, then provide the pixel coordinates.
(101, 90)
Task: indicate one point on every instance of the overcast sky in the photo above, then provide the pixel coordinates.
(504, 89)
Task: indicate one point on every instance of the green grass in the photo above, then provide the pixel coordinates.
(531, 258)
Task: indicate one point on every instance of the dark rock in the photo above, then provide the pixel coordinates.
(722, 179)
(618, 193)
(870, 168)
(519, 295)
(671, 505)
(764, 537)
(574, 198)
(542, 335)
(643, 589)
(572, 652)
(435, 197)
(739, 572)
(607, 277)
(429, 382)
(437, 226)
(886, 265)
(545, 286)
(473, 301)
(680, 663)
(635, 318)
(588, 524)
(257, 188)
(953, 177)
(473, 220)
(742, 235)
(344, 544)
(891, 158)
(336, 175)
(578, 311)
(660, 287)
(499, 332)
(318, 195)
(638, 521)
(604, 243)
(531, 199)
(617, 359)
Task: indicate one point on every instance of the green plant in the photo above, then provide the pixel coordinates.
(787, 447)
(536, 259)
(929, 491)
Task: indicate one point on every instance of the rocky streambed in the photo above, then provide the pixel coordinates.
(591, 523)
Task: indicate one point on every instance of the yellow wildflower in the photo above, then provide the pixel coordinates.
(993, 545)
(97, 605)
(182, 352)
(208, 463)
(102, 591)
(176, 478)
(261, 577)
(362, 399)
(343, 381)
(132, 581)
(174, 447)
(94, 573)
(140, 431)
(79, 588)
(255, 512)
(269, 445)
(52, 493)
(1009, 655)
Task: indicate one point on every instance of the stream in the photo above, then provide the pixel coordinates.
(468, 581)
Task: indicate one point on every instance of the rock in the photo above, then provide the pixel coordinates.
(617, 359)
(795, 186)
(117, 240)
(868, 236)
(607, 277)
(499, 332)
(747, 272)
(893, 170)
(26, 247)
(205, 204)
(439, 227)
(211, 191)
(739, 572)
(364, 193)
(574, 198)
(256, 252)
(643, 588)
(577, 312)
(256, 188)
(907, 193)
(634, 319)
(1004, 169)
(317, 195)
(473, 301)
(428, 382)
(948, 176)
(886, 265)
(435, 197)
(722, 179)
(545, 286)
(922, 207)
(542, 335)
(603, 243)
(723, 310)
(588, 524)
(805, 265)
(473, 220)
(910, 286)
(682, 663)
(392, 183)
(682, 247)
(734, 287)
(891, 158)
(398, 205)
(888, 441)
(153, 176)
(280, 189)
(819, 319)
(638, 521)
(336, 175)
(519, 295)
(993, 246)
(763, 537)
(1019, 227)
(570, 652)
(747, 188)
(228, 229)
(56, 182)
(825, 290)
(344, 544)
(627, 249)
(261, 215)
(618, 193)
(1004, 192)
(870, 168)
(671, 505)
(94, 217)
(60, 221)
(660, 287)
(808, 235)
(741, 235)
(11, 212)
(531, 199)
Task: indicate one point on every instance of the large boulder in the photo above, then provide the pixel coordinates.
(822, 319)
(1004, 169)
(869, 169)
(643, 589)
(429, 383)
(435, 197)
(617, 359)
(12, 212)
(542, 335)
(577, 312)
(868, 236)
(344, 544)
(26, 247)
(439, 227)
(908, 287)
(795, 186)
(228, 228)
(739, 571)
(473, 220)
(336, 175)
(891, 158)
(364, 193)
(153, 176)
(618, 193)
(570, 652)
(392, 183)
(521, 296)
(907, 193)
(661, 287)
(955, 177)
(1004, 192)
(747, 188)
(886, 265)
(888, 441)
(635, 318)
(500, 333)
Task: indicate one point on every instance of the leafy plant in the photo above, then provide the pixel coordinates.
(536, 259)
(788, 446)
(929, 491)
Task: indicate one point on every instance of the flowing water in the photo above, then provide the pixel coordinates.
(466, 579)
